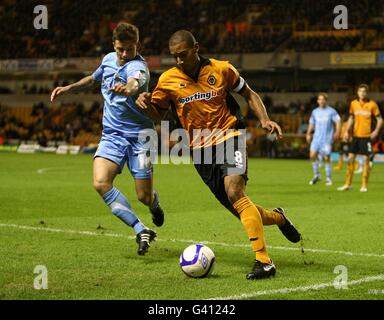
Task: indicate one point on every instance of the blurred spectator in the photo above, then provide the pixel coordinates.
(83, 28)
(43, 124)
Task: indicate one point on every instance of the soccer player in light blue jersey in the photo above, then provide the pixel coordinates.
(325, 122)
(123, 75)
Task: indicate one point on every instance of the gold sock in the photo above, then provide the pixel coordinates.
(270, 217)
(350, 170)
(366, 171)
(251, 219)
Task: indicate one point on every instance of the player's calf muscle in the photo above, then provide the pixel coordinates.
(144, 197)
(235, 189)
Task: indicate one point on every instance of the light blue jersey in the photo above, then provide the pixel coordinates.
(323, 120)
(122, 119)
(121, 115)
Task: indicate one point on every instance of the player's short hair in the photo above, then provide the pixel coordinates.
(323, 94)
(183, 36)
(125, 32)
(363, 85)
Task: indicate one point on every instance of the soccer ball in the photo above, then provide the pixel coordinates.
(197, 261)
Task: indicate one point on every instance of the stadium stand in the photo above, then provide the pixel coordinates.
(80, 29)
(71, 123)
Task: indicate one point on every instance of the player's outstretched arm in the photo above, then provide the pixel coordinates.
(258, 107)
(83, 83)
(143, 101)
(129, 89)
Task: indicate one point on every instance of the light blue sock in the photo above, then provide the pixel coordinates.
(315, 167)
(122, 209)
(328, 170)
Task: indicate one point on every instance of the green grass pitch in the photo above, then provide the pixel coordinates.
(50, 215)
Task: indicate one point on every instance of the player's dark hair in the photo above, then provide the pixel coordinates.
(183, 36)
(363, 85)
(125, 32)
(323, 94)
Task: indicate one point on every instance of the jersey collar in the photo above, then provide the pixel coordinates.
(366, 100)
(138, 57)
(203, 62)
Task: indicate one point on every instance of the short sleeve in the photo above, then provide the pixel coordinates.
(160, 96)
(234, 81)
(138, 71)
(98, 74)
(335, 116)
(351, 109)
(312, 119)
(375, 109)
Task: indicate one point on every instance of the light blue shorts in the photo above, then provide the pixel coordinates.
(121, 150)
(322, 147)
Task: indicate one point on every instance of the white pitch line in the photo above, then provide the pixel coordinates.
(313, 287)
(42, 170)
(222, 244)
(86, 233)
(347, 253)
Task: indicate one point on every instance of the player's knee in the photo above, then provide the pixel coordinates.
(101, 187)
(235, 192)
(144, 197)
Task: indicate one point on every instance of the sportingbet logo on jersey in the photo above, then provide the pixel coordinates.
(363, 113)
(201, 96)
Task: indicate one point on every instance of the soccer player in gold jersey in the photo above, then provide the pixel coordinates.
(361, 112)
(197, 90)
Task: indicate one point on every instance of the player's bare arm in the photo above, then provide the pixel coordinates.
(310, 129)
(336, 135)
(143, 101)
(258, 107)
(79, 85)
(130, 89)
(349, 126)
(379, 124)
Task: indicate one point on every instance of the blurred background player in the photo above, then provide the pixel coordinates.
(343, 148)
(123, 75)
(361, 112)
(179, 89)
(325, 121)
